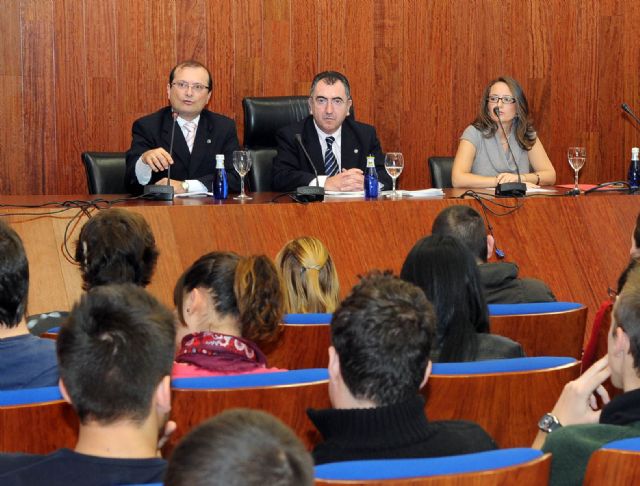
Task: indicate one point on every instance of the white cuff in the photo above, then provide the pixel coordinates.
(143, 172)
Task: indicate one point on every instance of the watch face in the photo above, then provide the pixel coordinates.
(548, 423)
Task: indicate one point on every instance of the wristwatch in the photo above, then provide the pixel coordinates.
(548, 423)
(185, 186)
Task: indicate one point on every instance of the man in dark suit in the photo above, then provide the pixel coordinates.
(199, 136)
(337, 145)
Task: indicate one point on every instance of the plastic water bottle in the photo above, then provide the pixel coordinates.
(634, 170)
(371, 178)
(220, 185)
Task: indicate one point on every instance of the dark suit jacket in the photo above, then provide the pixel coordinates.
(291, 168)
(216, 134)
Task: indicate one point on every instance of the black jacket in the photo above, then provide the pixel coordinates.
(216, 135)
(291, 168)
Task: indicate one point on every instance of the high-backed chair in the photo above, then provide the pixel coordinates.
(506, 466)
(105, 172)
(440, 169)
(506, 397)
(614, 464)
(263, 117)
(36, 421)
(544, 329)
(300, 346)
(286, 395)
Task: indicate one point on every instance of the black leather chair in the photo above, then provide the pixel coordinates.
(440, 168)
(105, 172)
(263, 117)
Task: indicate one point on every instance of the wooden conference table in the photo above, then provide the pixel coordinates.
(578, 245)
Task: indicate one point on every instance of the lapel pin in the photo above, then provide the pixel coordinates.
(208, 140)
(355, 151)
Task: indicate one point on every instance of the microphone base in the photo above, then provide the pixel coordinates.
(310, 194)
(511, 189)
(159, 192)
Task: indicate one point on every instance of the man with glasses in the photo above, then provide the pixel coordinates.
(199, 136)
(337, 144)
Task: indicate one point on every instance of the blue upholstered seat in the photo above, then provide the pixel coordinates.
(500, 365)
(531, 308)
(29, 395)
(632, 444)
(409, 468)
(253, 380)
(307, 318)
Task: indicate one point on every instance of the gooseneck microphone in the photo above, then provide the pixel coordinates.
(159, 192)
(509, 189)
(309, 193)
(628, 110)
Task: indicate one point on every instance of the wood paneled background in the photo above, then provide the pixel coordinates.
(74, 74)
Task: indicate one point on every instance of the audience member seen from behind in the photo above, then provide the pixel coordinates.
(115, 353)
(576, 427)
(445, 270)
(226, 304)
(115, 246)
(240, 447)
(500, 280)
(26, 361)
(378, 362)
(635, 241)
(484, 157)
(310, 277)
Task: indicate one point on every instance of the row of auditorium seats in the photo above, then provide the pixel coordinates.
(263, 117)
(506, 397)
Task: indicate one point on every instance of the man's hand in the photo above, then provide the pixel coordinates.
(177, 185)
(577, 403)
(348, 180)
(158, 159)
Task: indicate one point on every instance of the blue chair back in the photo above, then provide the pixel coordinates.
(531, 308)
(29, 396)
(376, 470)
(310, 318)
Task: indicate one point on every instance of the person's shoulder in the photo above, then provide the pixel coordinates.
(463, 435)
(13, 462)
(472, 134)
(536, 290)
(493, 346)
(301, 126)
(358, 126)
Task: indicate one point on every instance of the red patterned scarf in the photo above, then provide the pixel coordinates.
(220, 352)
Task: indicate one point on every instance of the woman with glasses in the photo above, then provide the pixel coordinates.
(487, 155)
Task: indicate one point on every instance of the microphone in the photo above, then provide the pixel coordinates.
(509, 189)
(158, 192)
(309, 193)
(626, 108)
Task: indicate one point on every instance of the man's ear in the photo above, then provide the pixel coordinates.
(427, 374)
(309, 101)
(621, 341)
(334, 364)
(63, 391)
(163, 395)
(490, 245)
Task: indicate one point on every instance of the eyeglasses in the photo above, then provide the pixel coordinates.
(507, 100)
(322, 101)
(184, 86)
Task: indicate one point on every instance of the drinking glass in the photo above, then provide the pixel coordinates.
(393, 164)
(242, 165)
(577, 157)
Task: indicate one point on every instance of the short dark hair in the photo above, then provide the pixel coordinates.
(116, 246)
(191, 63)
(466, 224)
(250, 289)
(14, 277)
(382, 333)
(240, 447)
(331, 77)
(447, 273)
(114, 349)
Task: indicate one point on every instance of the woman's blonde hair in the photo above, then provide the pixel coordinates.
(310, 277)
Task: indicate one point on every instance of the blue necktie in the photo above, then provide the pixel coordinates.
(330, 162)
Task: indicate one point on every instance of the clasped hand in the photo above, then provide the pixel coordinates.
(347, 180)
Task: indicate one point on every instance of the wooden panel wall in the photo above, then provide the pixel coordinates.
(76, 73)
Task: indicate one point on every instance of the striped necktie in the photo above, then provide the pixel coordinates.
(190, 127)
(330, 162)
